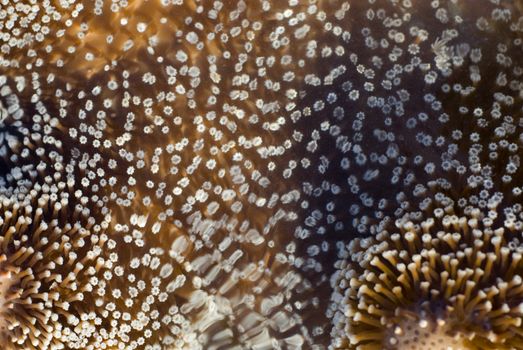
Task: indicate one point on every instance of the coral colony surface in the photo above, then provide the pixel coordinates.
(261, 174)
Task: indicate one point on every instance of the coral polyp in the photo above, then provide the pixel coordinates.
(50, 254)
(445, 280)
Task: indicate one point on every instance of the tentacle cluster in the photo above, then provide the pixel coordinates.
(52, 253)
(458, 276)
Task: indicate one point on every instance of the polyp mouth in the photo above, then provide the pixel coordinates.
(422, 333)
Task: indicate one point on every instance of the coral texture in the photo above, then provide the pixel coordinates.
(255, 174)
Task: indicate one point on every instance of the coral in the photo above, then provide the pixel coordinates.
(247, 161)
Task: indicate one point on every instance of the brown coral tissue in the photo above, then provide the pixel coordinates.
(261, 174)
